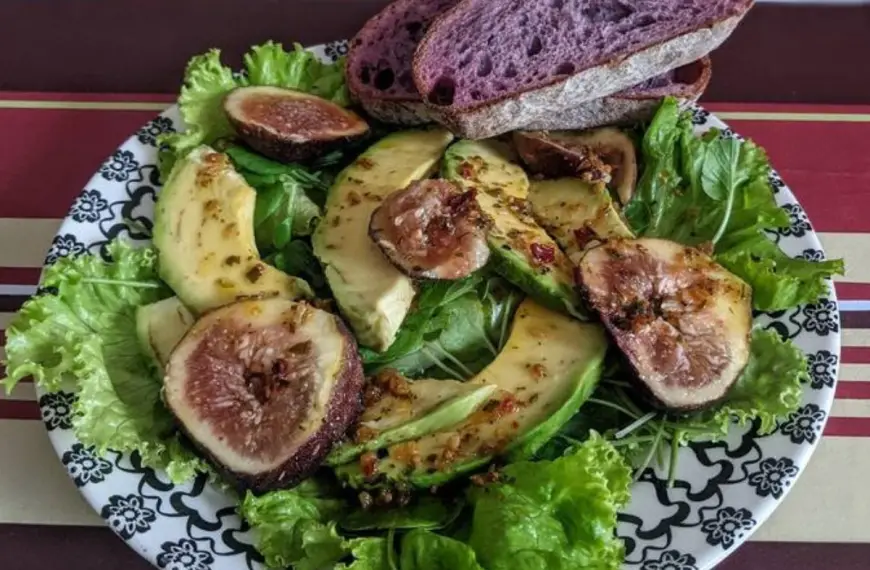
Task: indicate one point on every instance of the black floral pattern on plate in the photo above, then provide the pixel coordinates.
(88, 207)
(335, 50)
(799, 223)
(773, 477)
(183, 555)
(119, 167)
(84, 466)
(64, 246)
(776, 181)
(56, 409)
(822, 367)
(700, 116)
(814, 255)
(727, 527)
(804, 424)
(671, 560)
(822, 317)
(153, 129)
(128, 515)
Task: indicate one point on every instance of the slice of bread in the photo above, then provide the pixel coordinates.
(635, 104)
(379, 62)
(486, 67)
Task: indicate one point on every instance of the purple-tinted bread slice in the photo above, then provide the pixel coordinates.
(487, 67)
(379, 71)
(635, 104)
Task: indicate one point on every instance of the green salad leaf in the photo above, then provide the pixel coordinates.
(297, 258)
(425, 513)
(455, 329)
(558, 514)
(207, 81)
(296, 528)
(283, 211)
(425, 550)
(711, 189)
(83, 337)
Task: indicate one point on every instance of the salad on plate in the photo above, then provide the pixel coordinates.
(405, 349)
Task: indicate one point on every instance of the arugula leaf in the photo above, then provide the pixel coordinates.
(207, 81)
(425, 550)
(454, 331)
(710, 189)
(558, 514)
(84, 338)
(259, 170)
(297, 258)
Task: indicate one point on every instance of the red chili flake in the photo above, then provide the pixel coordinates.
(584, 236)
(543, 253)
(368, 463)
(466, 170)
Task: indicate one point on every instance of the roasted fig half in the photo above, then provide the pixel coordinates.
(265, 388)
(431, 230)
(681, 319)
(600, 155)
(289, 125)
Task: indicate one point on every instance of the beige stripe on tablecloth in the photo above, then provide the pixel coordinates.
(35, 486)
(31, 239)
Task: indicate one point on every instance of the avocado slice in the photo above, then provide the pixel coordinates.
(550, 365)
(370, 291)
(522, 251)
(431, 406)
(160, 327)
(204, 234)
(577, 214)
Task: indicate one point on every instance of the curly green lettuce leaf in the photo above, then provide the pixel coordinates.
(296, 528)
(83, 337)
(711, 189)
(425, 550)
(558, 514)
(207, 81)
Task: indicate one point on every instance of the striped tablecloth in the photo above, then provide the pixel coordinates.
(51, 144)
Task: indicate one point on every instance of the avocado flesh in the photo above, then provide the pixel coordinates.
(570, 208)
(204, 235)
(433, 405)
(550, 365)
(372, 294)
(501, 186)
(160, 327)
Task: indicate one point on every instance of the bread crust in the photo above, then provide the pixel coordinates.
(547, 103)
(621, 109)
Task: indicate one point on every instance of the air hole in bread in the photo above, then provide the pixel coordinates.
(443, 91)
(406, 80)
(535, 47)
(414, 28)
(385, 79)
(557, 4)
(484, 66)
(564, 68)
(476, 95)
(466, 59)
(510, 71)
(365, 74)
(644, 20)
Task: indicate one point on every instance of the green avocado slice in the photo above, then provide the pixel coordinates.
(373, 295)
(204, 235)
(160, 327)
(521, 250)
(550, 365)
(577, 214)
(431, 406)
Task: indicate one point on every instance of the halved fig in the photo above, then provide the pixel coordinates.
(681, 319)
(289, 125)
(431, 230)
(265, 388)
(600, 155)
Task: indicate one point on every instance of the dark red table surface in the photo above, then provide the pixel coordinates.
(781, 53)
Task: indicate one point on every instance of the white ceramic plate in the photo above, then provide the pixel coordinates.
(722, 493)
